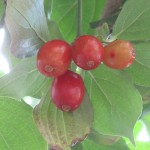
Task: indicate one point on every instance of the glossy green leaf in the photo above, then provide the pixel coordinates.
(140, 69)
(146, 121)
(23, 80)
(17, 128)
(141, 141)
(63, 129)
(132, 23)
(52, 25)
(92, 10)
(64, 13)
(140, 144)
(113, 98)
(137, 129)
(28, 29)
(54, 30)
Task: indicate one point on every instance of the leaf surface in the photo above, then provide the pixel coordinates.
(17, 128)
(140, 69)
(64, 14)
(63, 129)
(28, 29)
(132, 23)
(113, 97)
(23, 80)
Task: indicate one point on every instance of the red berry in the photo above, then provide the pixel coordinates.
(53, 58)
(87, 52)
(67, 91)
(119, 54)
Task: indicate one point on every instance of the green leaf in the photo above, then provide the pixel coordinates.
(140, 69)
(92, 10)
(141, 146)
(63, 129)
(137, 129)
(146, 121)
(132, 23)
(78, 146)
(1, 73)
(17, 129)
(23, 80)
(89, 145)
(28, 29)
(54, 30)
(64, 14)
(145, 93)
(140, 142)
(52, 25)
(102, 139)
(113, 98)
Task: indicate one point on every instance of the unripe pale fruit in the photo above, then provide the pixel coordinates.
(119, 54)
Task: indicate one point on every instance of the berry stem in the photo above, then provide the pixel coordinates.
(79, 27)
(79, 17)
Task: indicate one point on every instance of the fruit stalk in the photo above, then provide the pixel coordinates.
(79, 18)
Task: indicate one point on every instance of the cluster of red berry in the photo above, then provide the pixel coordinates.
(87, 52)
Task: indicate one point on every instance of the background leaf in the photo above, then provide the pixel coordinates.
(132, 23)
(146, 121)
(27, 34)
(23, 80)
(113, 98)
(140, 136)
(17, 129)
(54, 30)
(64, 14)
(63, 129)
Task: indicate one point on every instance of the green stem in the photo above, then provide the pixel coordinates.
(79, 27)
(79, 17)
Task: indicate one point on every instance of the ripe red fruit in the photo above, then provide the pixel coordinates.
(87, 52)
(119, 54)
(67, 91)
(53, 58)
